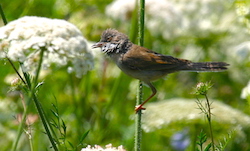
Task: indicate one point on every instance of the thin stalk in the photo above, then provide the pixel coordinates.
(32, 89)
(209, 116)
(30, 138)
(13, 66)
(138, 131)
(37, 103)
(20, 130)
(5, 23)
(44, 121)
(21, 126)
(32, 96)
(3, 16)
(141, 22)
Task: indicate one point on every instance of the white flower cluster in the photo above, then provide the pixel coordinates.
(186, 111)
(63, 44)
(173, 18)
(107, 148)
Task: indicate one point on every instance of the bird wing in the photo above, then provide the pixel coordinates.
(140, 58)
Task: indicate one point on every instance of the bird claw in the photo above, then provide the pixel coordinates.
(138, 108)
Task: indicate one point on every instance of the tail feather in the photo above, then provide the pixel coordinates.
(206, 66)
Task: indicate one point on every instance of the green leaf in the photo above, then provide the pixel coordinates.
(83, 137)
(55, 113)
(39, 85)
(64, 127)
(53, 124)
(208, 147)
(71, 145)
(202, 138)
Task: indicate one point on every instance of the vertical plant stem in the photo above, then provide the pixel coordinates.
(141, 22)
(138, 131)
(209, 116)
(30, 137)
(44, 121)
(3, 16)
(13, 66)
(38, 105)
(21, 126)
(32, 95)
(20, 129)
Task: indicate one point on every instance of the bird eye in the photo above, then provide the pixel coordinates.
(109, 38)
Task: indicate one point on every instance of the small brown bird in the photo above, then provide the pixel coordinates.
(147, 65)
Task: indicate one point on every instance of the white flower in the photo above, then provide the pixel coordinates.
(245, 91)
(241, 52)
(158, 13)
(22, 40)
(163, 114)
(114, 9)
(107, 148)
(173, 18)
(239, 58)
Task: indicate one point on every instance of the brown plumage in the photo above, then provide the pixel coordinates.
(147, 65)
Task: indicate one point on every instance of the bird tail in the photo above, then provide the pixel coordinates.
(205, 66)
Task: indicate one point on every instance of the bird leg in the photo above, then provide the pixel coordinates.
(140, 107)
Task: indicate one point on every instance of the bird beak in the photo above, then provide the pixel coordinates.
(96, 45)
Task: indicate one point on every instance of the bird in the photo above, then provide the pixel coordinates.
(146, 65)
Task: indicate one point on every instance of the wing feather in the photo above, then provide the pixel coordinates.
(140, 58)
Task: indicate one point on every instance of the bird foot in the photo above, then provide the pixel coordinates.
(138, 108)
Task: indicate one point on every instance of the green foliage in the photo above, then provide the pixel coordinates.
(202, 138)
(99, 107)
(224, 143)
(60, 128)
(201, 89)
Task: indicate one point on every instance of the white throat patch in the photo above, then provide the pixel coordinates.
(110, 47)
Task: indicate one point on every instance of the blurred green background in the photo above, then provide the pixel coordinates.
(103, 100)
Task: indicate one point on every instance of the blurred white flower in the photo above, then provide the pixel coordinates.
(242, 9)
(162, 114)
(241, 52)
(239, 56)
(108, 147)
(173, 18)
(245, 91)
(22, 40)
(114, 9)
(159, 14)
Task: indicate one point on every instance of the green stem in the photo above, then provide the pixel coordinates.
(13, 66)
(5, 23)
(141, 22)
(32, 89)
(138, 131)
(44, 121)
(32, 96)
(3, 16)
(21, 126)
(30, 138)
(209, 116)
(37, 103)
(20, 129)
